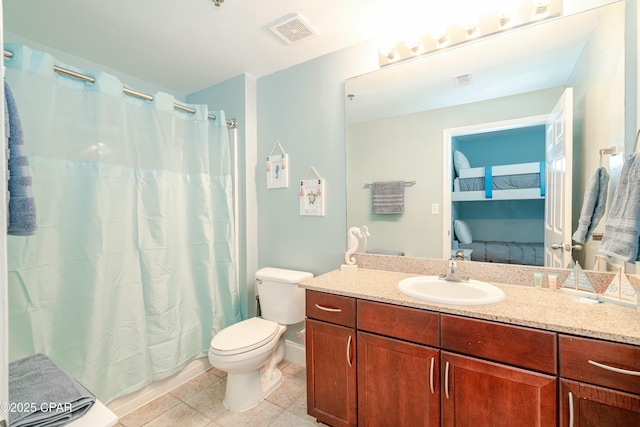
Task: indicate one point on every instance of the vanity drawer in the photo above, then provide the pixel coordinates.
(578, 355)
(514, 345)
(405, 323)
(331, 308)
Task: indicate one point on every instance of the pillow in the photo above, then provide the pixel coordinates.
(463, 231)
(460, 161)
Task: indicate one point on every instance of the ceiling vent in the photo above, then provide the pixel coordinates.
(293, 30)
(462, 79)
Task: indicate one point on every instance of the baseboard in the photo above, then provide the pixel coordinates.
(132, 401)
(295, 353)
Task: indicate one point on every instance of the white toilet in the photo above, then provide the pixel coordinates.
(249, 351)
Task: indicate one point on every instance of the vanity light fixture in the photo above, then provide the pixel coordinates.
(218, 2)
(505, 15)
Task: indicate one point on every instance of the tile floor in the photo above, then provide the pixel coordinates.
(199, 403)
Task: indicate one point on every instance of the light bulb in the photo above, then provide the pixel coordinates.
(471, 30)
(541, 5)
(506, 12)
(387, 50)
(414, 44)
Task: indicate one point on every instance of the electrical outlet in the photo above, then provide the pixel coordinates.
(435, 208)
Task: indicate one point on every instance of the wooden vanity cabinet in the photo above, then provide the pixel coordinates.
(599, 384)
(331, 358)
(516, 386)
(413, 367)
(398, 366)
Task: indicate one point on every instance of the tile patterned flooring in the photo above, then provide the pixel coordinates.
(198, 403)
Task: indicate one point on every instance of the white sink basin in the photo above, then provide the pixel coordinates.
(434, 289)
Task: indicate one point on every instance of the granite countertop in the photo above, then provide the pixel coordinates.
(525, 306)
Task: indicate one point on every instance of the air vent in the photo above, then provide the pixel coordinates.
(462, 79)
(293, 30)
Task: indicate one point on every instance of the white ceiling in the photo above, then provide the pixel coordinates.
(188, 45)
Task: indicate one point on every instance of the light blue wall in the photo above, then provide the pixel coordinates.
(503, 147)
(303, 108)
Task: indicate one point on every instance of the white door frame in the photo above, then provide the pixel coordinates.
(447, 168)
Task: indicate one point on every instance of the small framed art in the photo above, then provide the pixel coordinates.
(312, 195)
(277, 168)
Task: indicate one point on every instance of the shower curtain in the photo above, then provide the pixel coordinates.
(132, 270)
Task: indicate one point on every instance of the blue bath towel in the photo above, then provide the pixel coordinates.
(593, 205)
(622, 230)
(22, 220)
(52, 397)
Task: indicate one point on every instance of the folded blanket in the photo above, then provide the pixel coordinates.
(388, 197)
(593, 204)
(22, 207)
(44, 395)
(622, 230)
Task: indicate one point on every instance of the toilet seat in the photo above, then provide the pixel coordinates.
(244, 336)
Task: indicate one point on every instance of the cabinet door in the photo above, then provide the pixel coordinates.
(479, 393)
(331, 373)
(583, 405)
(398, 383)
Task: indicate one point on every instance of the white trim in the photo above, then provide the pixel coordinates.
(121, 406)
(295, 353)
(4, 299)
(447, 178)
(132, 401)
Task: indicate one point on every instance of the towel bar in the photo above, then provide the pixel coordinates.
(406, 184)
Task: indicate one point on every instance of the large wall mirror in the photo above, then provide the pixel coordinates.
(490, 100)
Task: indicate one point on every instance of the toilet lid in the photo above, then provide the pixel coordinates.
(244, 336)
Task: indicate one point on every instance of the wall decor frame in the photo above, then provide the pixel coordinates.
(277, 168)
(312, 194)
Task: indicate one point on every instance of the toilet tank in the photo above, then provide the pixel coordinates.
(281, 300)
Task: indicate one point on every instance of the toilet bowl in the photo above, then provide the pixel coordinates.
(250, 351)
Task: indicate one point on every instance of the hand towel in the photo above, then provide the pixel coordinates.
(388, 197)
(593, 204)
(22, 207)
(53, 397)
(622, 230)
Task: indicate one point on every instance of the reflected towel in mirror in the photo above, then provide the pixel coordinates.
(593, 204)
(388, 197)
(622, 230)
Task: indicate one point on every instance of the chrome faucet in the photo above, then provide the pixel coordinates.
(451, 275)
(459, 255)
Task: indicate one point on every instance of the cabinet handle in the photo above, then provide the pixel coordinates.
(333, 310)
(446, 380)
(349, 352)
(570, 409)
(611, 368)
(431, 377)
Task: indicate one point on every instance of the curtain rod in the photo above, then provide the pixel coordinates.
(230, 123)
